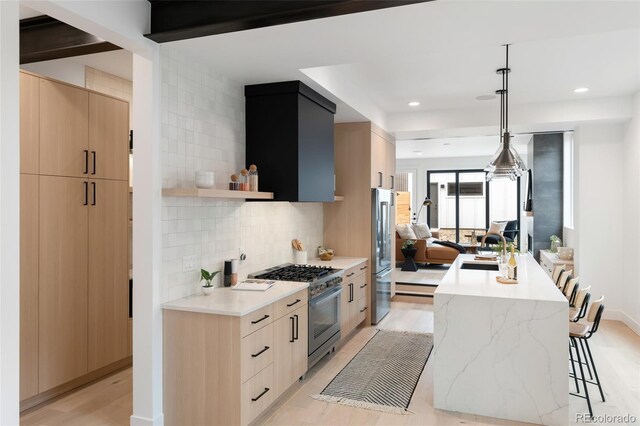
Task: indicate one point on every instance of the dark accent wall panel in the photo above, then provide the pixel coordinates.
(546, 158)
(289, 132)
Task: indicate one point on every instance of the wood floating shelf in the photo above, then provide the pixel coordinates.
(216, 193)
(338, 198)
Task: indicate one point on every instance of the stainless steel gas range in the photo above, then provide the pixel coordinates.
(325, 286)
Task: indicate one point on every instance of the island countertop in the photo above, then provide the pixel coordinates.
(533, 282)
(225, 301)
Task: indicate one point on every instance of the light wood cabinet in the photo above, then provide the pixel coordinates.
(63, 259)
(64, 129)
(108, 137)
(108, 284)
(353, 305)
(364, 152)
(249, 367)
(29, 123)
(74, 237)
(28, 285)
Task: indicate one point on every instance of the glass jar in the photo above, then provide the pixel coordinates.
(253, 178)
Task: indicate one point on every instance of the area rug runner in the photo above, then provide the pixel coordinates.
(384, 374)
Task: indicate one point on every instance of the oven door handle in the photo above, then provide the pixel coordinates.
(326, 296)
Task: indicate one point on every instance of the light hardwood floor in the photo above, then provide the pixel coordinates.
(616, 350)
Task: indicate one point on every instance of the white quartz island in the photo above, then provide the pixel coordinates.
(501, 350)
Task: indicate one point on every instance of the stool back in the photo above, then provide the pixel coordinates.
(582, 301)
(571, 289)
(595, 314)
(559, 269)
(565, 276)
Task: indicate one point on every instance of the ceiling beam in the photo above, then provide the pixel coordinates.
(173, 20)
(44, 38)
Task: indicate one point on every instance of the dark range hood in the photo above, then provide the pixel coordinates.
(289, 133)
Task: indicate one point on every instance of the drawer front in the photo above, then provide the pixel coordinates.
(257, 394)
(291, 303)
(256, 320)
(352, 273)
(256, 352)
(361, 287)
(362, 310)
(546, 265)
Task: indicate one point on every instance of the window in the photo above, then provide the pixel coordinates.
(568, 180)
(467, 189)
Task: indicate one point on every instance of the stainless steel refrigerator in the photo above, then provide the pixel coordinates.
(382, 205)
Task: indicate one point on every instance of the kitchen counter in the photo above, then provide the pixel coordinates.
(225, 301)
(338, 262)
(501, 350)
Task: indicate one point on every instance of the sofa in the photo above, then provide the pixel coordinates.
(427, 251)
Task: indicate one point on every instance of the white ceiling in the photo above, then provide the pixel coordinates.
(442, 53)
(457, 147)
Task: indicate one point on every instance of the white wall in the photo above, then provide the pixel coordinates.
(600, 232)
(203, 129)
(631, 191)
(60, 69)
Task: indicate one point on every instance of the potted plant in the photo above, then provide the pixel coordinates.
(207, 277)
(409, 249)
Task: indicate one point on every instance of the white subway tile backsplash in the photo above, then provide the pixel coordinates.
(203, 129)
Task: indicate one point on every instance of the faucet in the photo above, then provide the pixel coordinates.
(504, 242)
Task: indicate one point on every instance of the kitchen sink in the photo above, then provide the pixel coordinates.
(480, 266)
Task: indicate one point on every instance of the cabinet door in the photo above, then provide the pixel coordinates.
(29, 123)
(63, 228)
(354, 310)
(390, 165)
(28, 285)
(64, 129)
(108, 293)
(301, 344)
(283, 333)
(345, 315)
(108, 137)
(377, 161)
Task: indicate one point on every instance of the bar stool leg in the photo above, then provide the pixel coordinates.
(586, 361)
(573, 366)
(584, 383)
(586, 342)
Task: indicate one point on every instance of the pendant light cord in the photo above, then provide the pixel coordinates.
(506, 94)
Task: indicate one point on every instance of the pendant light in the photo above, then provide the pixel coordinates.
(506, 163)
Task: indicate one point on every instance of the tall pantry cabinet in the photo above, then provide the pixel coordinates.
(74, 242)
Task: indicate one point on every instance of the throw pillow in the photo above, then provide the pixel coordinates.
(497, 227)
(405, 232)
(422, 231)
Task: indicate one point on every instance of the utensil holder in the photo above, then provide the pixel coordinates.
(300, 257)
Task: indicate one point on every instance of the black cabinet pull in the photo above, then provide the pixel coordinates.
(380, 176)
(363, 309)
(266, 348)
(261, 395)
(293, 329)
(260, 320)
(363, 285)
(93, 154)
(393, 181)
(350, 292)
(291, 304)
(296, 337)
(86, 161)
(363, 268)
(86, 193)
(93, 187)
(350, 275)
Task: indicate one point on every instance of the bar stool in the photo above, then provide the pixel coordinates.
(580, 332)
(559, 269)
(565, 276)
(571, 289)
(578, 309)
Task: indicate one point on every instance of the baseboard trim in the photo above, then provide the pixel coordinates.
(630, 322)
(145, 421)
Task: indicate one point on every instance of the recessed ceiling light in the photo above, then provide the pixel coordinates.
(417, 152)
(414, 103)
(581, 89)
(486, 97)
(446, 143)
